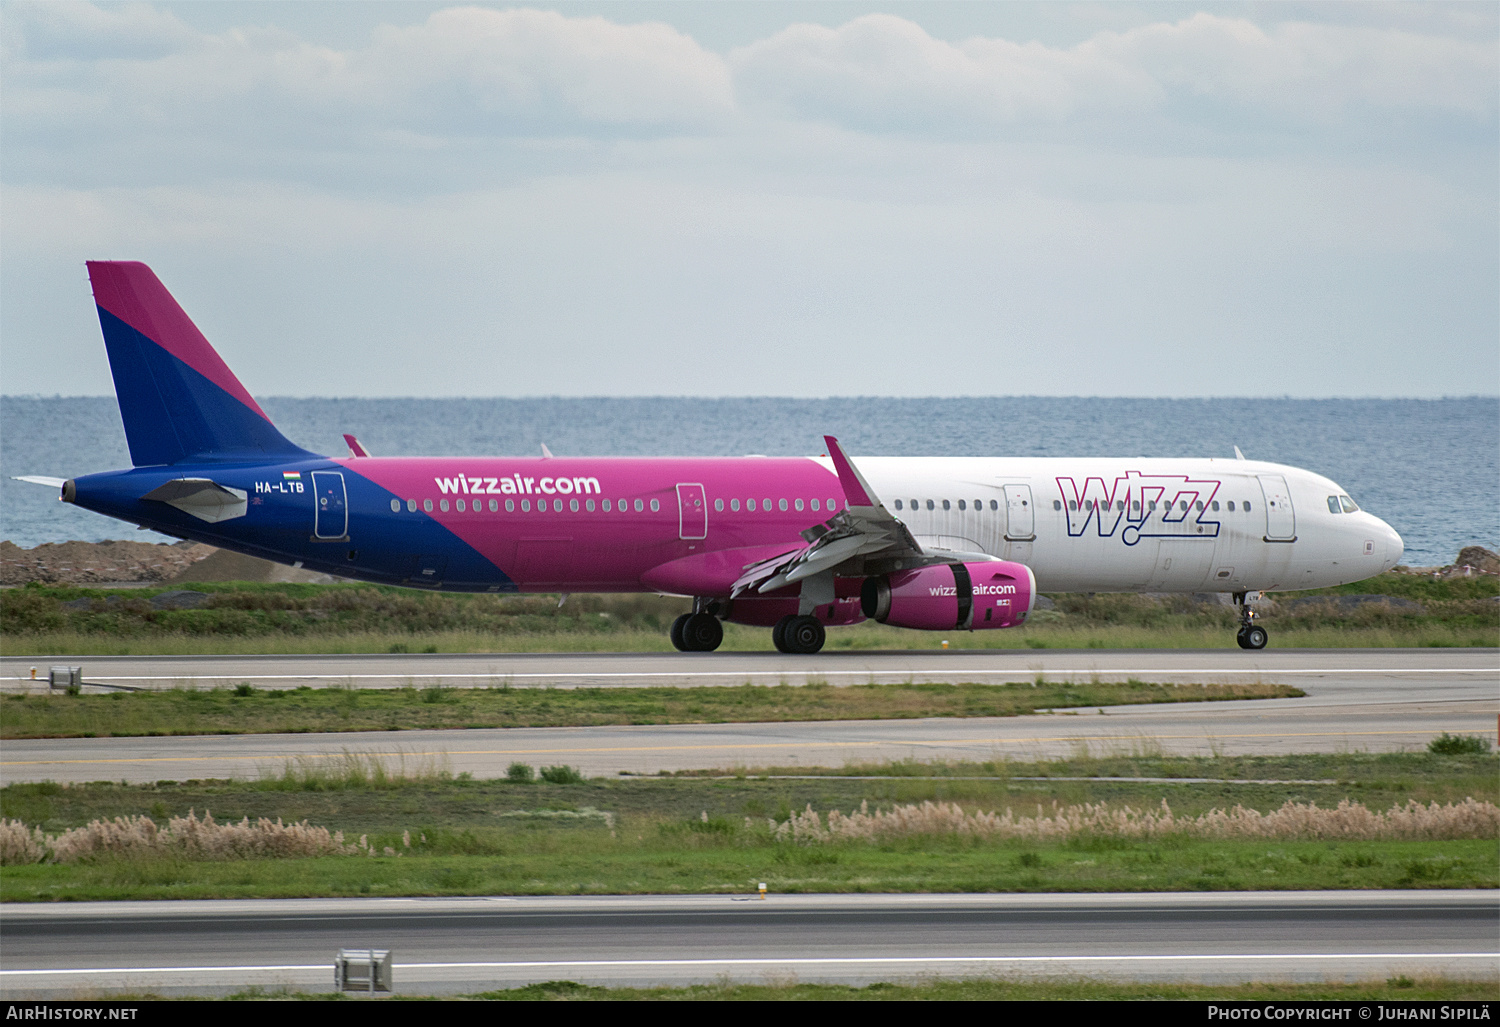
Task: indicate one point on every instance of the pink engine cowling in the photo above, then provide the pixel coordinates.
(976, 596)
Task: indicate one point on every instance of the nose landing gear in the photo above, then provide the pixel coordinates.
(1250, 635)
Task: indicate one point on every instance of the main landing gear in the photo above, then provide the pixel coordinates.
(794, 634)
(1251, 635)
(698, 632)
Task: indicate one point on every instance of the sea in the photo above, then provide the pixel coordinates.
(1431, 468)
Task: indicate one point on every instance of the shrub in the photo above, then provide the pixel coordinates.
(1459, 745)
(520, 773)
(561, 776)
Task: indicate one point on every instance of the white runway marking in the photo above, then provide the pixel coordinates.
(783, 673)
(563, 964)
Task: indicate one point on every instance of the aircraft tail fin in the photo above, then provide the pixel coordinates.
(177, 398)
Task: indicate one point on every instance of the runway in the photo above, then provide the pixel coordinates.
(576, 670)
(1366, 700)
(465, 945)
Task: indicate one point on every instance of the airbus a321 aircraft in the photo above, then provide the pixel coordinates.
(794, 544)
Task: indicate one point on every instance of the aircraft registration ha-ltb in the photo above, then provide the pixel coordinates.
(795, 544)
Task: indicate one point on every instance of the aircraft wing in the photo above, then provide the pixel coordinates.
(864, 538)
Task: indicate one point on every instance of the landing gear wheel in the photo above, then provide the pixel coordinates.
(678, 642)
(701, 633)
(778, 633)
(803, 635)
(1252, 637)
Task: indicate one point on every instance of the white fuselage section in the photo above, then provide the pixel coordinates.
(1137, 525)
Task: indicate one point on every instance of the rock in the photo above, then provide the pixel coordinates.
(179, 599)
(96, 563)
(1043, 603)
(1479, 558)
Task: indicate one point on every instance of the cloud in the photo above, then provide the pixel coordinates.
(70, 30)
(464, 71)
(883, 72)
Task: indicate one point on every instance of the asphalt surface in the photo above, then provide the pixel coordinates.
(1374, 700)
(467, 945)
(565, 670)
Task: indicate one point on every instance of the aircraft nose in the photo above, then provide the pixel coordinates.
(1394, 547)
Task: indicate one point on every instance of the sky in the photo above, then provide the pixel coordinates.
(805, 199)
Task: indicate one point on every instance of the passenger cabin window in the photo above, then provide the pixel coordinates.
(427, 505)
(718, 506)
(798, 505)
(931, 505)
(815, 506)
(945, 505)
(734, 504)
(411, 506)
(526, 506)
(572, 505)
(1057, 504)
(461, 507)
(898, 504)
(655, 506)
(639, 505)
(1215, 505)
(1247, 506)
(607, 506)
(960, 504)
(781, 505)
(510, 505)
(395, 506)
(750, 505)
(1231, 506)
(995, 504)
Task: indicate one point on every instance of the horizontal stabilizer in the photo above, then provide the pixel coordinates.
(40, 479)
(203, 498)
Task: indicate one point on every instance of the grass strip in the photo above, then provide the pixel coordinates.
(667, 858)
(246, 710)
(1000, 989)
(678, 835)
(242, 617)
(1399, 988)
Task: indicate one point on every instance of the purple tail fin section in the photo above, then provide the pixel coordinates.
(177, 398)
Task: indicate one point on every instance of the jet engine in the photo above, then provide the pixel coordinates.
(974, 596)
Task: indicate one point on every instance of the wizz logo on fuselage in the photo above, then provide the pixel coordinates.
(1147, 505)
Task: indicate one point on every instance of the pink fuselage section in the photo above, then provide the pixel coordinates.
(686, 526)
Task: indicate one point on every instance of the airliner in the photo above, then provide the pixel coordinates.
(797, 544)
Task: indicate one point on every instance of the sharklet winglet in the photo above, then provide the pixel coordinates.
(856, 489)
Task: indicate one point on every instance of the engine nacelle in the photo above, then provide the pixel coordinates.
(973, 596)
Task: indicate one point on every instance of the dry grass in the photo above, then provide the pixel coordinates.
(1349, 821)
(189, 838)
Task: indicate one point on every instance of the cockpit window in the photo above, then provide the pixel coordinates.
(1348, 504)
(1333, 504)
